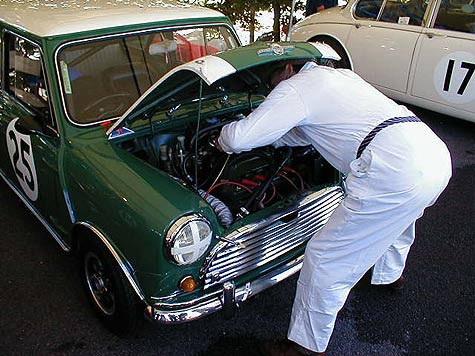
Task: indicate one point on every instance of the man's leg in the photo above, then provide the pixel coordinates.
(335, 259)
(358, 234)
(391, 265)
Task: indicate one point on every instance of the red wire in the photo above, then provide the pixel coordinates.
(290, 181)
(286, 168)
(227, 183)
(274, 191)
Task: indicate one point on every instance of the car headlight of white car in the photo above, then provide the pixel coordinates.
(188, 239)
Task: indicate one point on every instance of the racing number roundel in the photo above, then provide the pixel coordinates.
(454, 77)
(21, 156)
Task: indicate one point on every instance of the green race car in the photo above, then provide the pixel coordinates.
(109, 114)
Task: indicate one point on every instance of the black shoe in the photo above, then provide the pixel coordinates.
(286, 348)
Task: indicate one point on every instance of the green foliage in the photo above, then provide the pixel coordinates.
(243, 12)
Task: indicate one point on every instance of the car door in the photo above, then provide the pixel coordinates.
(28, 158)
(445, 64)
(383, 39)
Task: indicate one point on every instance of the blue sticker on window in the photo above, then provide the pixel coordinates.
(121, 132)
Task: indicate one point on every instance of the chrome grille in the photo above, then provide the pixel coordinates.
(255, 245)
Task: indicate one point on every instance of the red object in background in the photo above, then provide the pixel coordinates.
(186, 50)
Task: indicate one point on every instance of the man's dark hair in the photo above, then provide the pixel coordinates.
(279, 67)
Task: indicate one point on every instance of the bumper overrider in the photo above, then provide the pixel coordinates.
(253, 247)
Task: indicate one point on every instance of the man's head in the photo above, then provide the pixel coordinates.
(282, 73)
(286, 70)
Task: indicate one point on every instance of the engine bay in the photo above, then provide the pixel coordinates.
(234, 185)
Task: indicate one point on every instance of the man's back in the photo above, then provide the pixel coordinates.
(340, 109)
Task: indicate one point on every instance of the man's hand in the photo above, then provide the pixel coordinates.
(217, 145)
(213, 142)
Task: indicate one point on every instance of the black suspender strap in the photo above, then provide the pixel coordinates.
(394, 120)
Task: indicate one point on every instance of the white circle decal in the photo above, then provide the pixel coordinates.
(454, 77)
(21, 156)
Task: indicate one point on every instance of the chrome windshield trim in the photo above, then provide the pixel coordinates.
(35, 212)
(119, 35)
(175, 313)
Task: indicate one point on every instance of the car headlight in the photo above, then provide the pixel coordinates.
(188, 239)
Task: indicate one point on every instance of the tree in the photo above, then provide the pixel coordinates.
(243, 12)
(282, 10)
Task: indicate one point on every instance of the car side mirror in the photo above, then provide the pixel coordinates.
(28, 125)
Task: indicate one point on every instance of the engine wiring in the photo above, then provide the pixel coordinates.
(218, 176)
(293, 171)
(229, 183)
(290, 181)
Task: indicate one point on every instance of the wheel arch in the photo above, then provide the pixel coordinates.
(336, 44)
(83, 230)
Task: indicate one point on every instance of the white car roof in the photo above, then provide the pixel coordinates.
(50, 18)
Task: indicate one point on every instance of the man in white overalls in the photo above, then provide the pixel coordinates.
(395, 168)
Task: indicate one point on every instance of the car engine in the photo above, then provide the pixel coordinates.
(234, 185)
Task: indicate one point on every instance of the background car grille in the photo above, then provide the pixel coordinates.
(255, 245)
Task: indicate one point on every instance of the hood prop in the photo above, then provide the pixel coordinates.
(197, 131)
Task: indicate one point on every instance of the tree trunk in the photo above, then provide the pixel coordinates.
(252, 26)
(276, 26)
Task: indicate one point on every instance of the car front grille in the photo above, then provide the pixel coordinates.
(255, 245)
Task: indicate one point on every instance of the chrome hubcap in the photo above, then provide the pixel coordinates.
(99, 283)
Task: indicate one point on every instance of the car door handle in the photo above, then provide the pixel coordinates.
(435, 34)
(359, 25)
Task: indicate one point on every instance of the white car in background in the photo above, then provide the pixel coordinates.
(418, 51)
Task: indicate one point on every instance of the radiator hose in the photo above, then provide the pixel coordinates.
(225, 217)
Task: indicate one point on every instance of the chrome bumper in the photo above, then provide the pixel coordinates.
(227, 298)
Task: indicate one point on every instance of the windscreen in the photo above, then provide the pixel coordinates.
(101, 78)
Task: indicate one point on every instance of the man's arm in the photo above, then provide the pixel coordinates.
(294, 137)
(281, 111)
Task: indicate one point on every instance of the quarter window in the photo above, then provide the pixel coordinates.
(456, 15)
(368, 9)
(26, 80)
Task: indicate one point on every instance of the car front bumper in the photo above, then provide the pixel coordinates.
(226, 298)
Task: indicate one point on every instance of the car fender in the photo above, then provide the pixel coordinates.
(81, 227)
(132, 205)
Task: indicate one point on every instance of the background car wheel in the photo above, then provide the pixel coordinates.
(108, 290)
(344, 62)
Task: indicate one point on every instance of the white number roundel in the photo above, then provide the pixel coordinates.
(454, 77)
(21, 156)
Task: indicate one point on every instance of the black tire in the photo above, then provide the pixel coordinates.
(108, 290)
(344, 62)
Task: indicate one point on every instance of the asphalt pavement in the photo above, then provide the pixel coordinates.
(43, 310)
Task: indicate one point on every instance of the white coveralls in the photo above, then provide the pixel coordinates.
(400, 173)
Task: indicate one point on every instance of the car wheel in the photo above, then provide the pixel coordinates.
(344, 62)
(108, 290)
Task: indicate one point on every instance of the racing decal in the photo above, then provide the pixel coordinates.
(21, 156)
(122, 131)
(454, 77)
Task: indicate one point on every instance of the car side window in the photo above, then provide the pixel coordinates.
(404, 12)
(26, 80)
(368, 9)
(456, 15)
